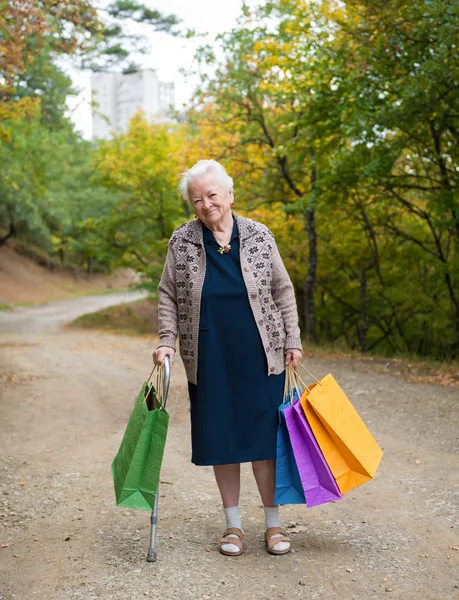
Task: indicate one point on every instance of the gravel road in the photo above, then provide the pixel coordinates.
(65, 400)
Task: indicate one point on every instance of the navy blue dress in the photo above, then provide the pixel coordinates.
(234, 404)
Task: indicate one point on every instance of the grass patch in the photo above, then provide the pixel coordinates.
(133, 318)
(100, 292)
(10, 306)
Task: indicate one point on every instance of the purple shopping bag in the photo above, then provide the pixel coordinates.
(318, 482)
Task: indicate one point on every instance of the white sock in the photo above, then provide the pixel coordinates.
(233, 519)
(272, 519)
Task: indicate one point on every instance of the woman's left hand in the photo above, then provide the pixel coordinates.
(293, 357)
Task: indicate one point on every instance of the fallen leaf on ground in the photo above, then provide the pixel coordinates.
(454, 548)
(350, 570)
(4, 545)
(298, 529)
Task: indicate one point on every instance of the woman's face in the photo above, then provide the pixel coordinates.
(210, 199)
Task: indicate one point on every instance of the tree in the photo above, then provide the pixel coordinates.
(140, 166)
(46, 172)
(116, 43)
(405, 120)
(273, 88)
(347, 114)
(73, 27)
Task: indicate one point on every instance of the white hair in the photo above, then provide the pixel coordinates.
(202, 167)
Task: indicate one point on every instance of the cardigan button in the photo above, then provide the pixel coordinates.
(272, 369)
(246, 269)
(253, 296)
(267, 348)
(260, 322)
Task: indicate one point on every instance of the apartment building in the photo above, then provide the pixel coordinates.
(120, 96)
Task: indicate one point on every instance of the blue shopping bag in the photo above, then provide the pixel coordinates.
(289, 489)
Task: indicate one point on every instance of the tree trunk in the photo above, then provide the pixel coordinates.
(89, 266)
(161, 219)
(363, 329)
(455, 344)
(310, 283)
(11, 232)
(299, 295)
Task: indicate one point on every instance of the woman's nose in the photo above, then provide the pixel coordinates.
(207, 202)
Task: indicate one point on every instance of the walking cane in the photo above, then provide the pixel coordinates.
(151, 555)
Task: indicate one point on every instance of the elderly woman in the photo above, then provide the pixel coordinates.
(226, 294)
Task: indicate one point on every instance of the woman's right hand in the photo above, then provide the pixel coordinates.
(160, 353)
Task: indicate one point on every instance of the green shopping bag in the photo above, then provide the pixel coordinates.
(137, 464)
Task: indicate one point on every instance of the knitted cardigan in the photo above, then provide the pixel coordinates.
(269, 290)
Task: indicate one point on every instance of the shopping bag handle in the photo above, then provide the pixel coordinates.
(295, 377)
(291, 383)
(162, 384)
(151, 374)
(309, 373)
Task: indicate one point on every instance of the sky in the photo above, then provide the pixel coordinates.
(168, 54)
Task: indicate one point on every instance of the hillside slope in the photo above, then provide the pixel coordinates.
(23, 280)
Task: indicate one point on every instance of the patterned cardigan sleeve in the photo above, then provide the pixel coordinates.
(284, 298)
(167, 303)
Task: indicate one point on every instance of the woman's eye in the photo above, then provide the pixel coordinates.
(212, 195)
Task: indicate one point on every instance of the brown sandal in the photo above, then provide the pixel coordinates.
(237, 541)
(271, 542)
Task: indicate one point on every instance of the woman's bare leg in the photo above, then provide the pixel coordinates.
(228, 479)
(265, 474)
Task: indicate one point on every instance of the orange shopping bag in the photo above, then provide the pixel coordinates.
(347, 445)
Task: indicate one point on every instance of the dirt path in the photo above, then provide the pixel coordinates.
(66, 397)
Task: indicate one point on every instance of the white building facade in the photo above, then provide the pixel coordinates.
(119, 97)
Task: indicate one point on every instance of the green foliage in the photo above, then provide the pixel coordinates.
(50, 194)
(348, 116)
(139, 168)
(45, 188)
